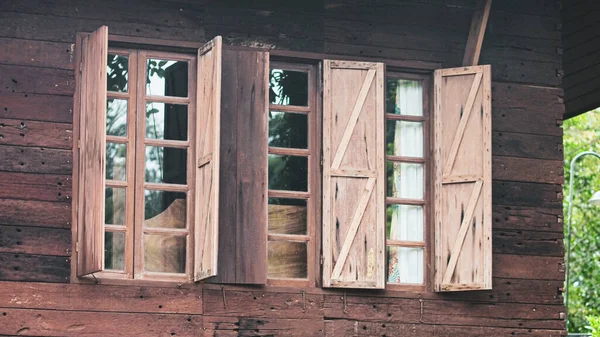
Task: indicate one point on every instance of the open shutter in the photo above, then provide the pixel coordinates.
(92, 152)
(208, 124)
(463, 198)
(353, 175)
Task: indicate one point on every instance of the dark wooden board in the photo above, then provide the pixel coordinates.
(248, 326)
(37, 53)
(24, 79)
(29, 186)
(528, 267)
(526, 194)
(511, 144)
(528, 218)
(39, 268)
(35, 160)
(35, 213)
(35, 240)
(528, 243)
(528, 170)
(33, 133)
(50, 108)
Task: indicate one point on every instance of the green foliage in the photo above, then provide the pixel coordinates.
(594, 325)
(582, 133)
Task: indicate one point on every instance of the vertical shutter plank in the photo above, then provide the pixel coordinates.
(463, 179)
(353, 175)
(208, 121)
(92, 152)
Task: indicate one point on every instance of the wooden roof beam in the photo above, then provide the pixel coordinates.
(476, 33)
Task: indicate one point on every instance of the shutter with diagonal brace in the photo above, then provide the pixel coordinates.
(353, 175)
(463, 199)
(92, 150)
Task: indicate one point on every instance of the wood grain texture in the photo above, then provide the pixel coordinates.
(35, 160)
(243, 169)
(35, 240)
(28, 186)
(92, 152)
(35, 213)
(51, 108)
(36, 268)
(37, 53)
(477, 32)
(34, 133)
(23, 79)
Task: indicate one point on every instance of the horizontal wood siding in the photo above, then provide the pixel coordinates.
(581, 39)
(523, 45)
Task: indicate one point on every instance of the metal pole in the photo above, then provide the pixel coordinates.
(569, 213)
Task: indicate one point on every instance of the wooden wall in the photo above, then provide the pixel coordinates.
(581, 58)
(523, 44)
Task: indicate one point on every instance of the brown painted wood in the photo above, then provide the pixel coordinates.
(37, 53)
(243, 184)
(528, 170)
(93, 297)
(527, 146)
(529, 267)
(44, 187)
(29, 322)
(38, 268)
(33, 133)
(49, 108)
(527, 194)
(35, 160)
(35, 213)
(528, 243)
(528, 218)
(35, 240)
(23, 79)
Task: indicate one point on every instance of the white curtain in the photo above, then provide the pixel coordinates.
(406, 264)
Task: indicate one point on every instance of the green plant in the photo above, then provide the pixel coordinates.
(594, 325)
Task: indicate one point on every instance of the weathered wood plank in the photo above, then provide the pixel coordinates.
(261, 304)
(50, 108)
(528, 243)
(526, 194)
(36, 53)
(362, 328)
(523, 145)
(35, 240)
(580, 78)
(524, 71)
(35, 160)
(28, 186)
(98, 297)
(528, 218)
(35, 213)
(23, 79)
(529, 267)
(528, 170)
(28, 322)
(34, 133)
(247, 326)
(520, 47)
(38, 268)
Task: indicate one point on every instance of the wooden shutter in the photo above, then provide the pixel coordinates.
(208, 125)
(353, 175)
(92, 152)
(463, 197)
(244, 138)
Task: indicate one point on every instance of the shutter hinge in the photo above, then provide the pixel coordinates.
(322, 259)
(80, 66)
(77, 247)
(79, 143)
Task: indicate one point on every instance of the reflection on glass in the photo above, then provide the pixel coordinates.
(287, 216)
(116, 155)
(166, 165)
(164, 253)
(116, 117)
(404, 97)
(405, 265)
(166, 121)
(404, 138)
(114, 206)
(114, 250)
(288, 130)
(164, 209)
(288, 87)
(167, 78)
(404, 180)
(404, 222)
(287, 260)
(117, 69)
(288, 173)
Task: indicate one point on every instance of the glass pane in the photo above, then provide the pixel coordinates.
(116, 155)
(287, 259)
(114, 250)
(288, 130)
(164, 209)
(164, 253)
(287, 216)
(166, 165)
(166, 121)
(404, 222)
(404, 180)
(404, 138)
(117, 69)
(114, 206)
(405, 265)
(167, 78)
(116, 117)
(288, 173)
(404, 97)
(288, 87)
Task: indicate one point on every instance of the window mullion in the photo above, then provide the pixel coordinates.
(140, 133)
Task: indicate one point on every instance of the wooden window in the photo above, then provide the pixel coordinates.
(407, 167)
(293, 166)
(463, 177)
(150, 177)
